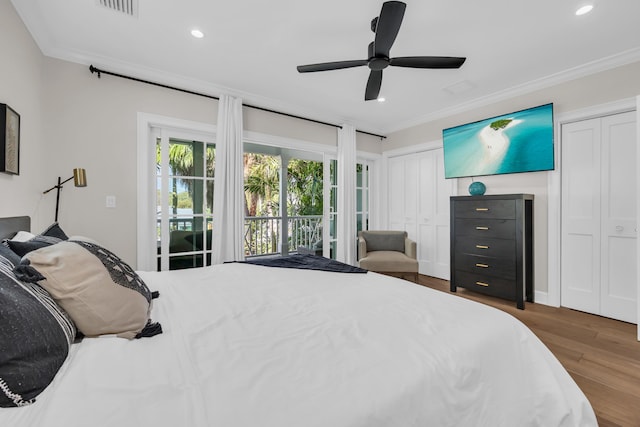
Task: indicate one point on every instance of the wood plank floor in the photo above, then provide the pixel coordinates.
(602, 355)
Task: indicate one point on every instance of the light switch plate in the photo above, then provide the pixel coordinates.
(111, 201)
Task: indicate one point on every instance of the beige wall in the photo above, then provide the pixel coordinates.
(20, 88)
(612, 85)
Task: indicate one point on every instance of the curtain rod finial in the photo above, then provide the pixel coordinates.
(94, 70)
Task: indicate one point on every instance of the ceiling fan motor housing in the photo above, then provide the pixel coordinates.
(378, 63)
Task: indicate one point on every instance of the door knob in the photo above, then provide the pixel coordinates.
(619, 228)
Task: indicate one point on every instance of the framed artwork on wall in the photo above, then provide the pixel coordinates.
(9, 140)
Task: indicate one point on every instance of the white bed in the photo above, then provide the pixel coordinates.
(247, 346)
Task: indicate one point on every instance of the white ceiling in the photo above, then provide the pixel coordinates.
(251, 49)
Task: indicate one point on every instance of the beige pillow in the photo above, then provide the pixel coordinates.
(101, 293)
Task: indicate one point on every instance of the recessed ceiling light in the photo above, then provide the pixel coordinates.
(584, 9)
(381, 99)
(197, 34)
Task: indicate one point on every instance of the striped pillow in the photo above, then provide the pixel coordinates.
(35, 338)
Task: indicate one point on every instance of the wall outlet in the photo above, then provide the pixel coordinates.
(111, 201)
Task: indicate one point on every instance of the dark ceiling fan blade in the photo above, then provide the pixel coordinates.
(373, 85)
(326, 66)
(388, 26)
(427, 61)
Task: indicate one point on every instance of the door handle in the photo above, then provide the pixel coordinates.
(619, 228)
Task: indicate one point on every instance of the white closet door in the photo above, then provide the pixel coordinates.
(433, 215)
(580, 273)
(403, 188)
(419, 204)
(599, 227)
(619, 228)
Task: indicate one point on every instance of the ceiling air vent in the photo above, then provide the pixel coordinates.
(128, 7)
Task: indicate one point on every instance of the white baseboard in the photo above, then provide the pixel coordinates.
(543, 298)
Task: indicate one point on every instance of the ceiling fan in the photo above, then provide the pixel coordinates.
(385, 27)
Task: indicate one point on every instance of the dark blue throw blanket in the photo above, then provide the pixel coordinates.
(306, 262)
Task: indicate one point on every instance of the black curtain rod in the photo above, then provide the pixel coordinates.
(100, 72)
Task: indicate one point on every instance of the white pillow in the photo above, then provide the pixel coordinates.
(23, 236)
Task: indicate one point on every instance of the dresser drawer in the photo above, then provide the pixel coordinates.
(486, 228)
(486, 266)
(497, 248)
(494, 286)
(484, 208)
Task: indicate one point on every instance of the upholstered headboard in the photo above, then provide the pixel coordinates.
(10, 226)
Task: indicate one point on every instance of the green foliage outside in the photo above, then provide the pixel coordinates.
(262, 177)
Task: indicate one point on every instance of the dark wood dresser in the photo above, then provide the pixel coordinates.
(492, 245)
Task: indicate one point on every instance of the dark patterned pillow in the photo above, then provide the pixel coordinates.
(35, 338)
(101, 293)
(54, 230)
(52, 235)
(8, 254)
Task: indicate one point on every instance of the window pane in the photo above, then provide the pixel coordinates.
(185, 196)
(185, 223)
(359, 200)
(185, 261)
(158, 160)
(211, 160)
(359, 222)
(332, 226)
(359, 175)
(181, 157)
(210, 188)
(333, 167)
(334, 199)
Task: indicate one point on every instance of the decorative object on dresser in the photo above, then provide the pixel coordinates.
(9, 140)
(477, 188)
(79, 180)
(492, 245)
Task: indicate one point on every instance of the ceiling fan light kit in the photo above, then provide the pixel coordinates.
(386, 27)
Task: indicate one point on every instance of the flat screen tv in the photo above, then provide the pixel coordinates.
(517, 142)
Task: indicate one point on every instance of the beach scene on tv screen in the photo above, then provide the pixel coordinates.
(512, 143)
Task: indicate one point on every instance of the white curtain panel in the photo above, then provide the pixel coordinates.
(228, 195)
(346, 233)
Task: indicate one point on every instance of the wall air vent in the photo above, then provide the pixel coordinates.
(128, 7)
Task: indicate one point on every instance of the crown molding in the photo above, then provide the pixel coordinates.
(600, 65)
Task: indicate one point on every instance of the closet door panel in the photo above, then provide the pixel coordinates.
(618, 293)
(580, 275)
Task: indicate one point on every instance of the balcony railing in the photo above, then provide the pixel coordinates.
(263, 234)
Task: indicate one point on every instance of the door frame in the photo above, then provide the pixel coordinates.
(146, 182)
(555, 193)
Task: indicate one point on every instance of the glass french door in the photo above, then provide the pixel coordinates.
(185, 169)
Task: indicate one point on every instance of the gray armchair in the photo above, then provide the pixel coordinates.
(388, 252)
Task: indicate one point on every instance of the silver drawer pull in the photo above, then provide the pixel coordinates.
(482, 265)
(482, 228)
(482, 284)
(482, 247)
(482, 209)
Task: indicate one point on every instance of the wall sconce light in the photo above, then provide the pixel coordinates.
(79, 180)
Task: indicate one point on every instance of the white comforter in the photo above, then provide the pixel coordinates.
(253, 346)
